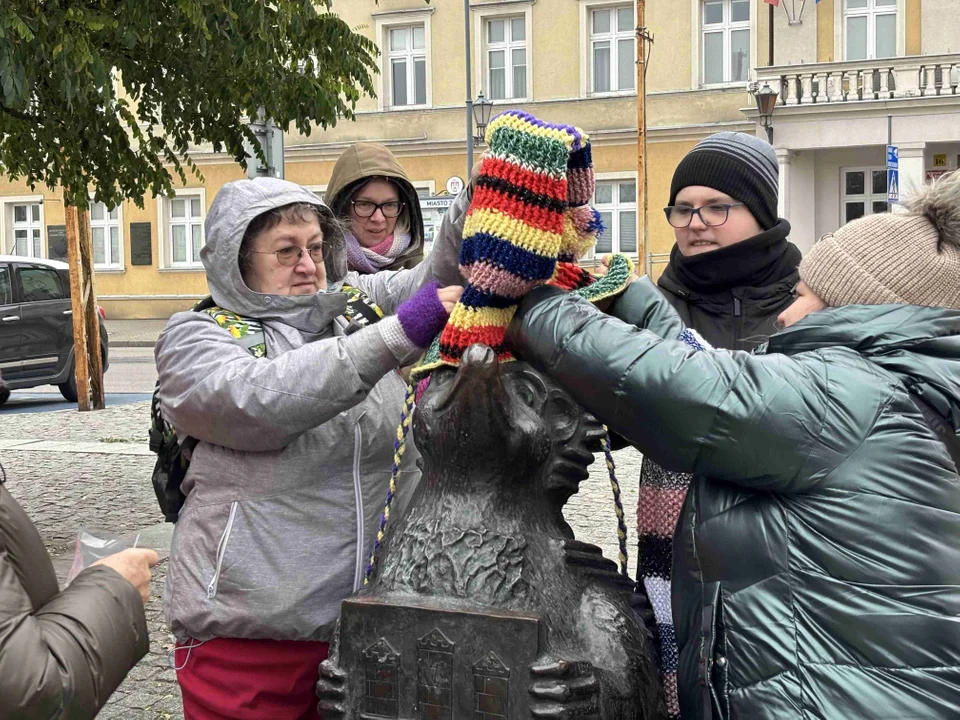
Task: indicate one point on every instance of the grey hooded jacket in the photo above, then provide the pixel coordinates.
(291, 470)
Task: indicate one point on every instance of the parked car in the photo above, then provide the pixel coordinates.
(36, 325)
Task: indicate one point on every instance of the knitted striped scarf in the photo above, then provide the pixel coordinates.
(370, 260)
(661, 497)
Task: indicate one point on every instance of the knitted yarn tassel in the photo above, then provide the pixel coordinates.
(618, 504)
(399, 447)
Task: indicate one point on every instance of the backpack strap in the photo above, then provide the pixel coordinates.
(249, 333)
(940, 426)
(361, 310)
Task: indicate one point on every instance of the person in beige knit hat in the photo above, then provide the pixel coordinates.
(910, 258)
(815, 567)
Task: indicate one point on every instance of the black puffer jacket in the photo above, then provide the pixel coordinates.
(732, 296)
(817, 562)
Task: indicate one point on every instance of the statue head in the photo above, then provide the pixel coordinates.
(504, 423)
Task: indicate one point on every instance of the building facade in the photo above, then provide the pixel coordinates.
(841, 70)
(852, 77)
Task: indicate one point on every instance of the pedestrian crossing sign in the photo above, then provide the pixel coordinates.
(893, 185)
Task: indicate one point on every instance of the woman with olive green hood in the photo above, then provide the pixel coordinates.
(370, 190)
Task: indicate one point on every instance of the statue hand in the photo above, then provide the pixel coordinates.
(564, 689)
(330, 690)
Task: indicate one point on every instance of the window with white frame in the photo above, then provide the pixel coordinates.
(105, 234)
(612, 49)
(27, 230)
(616, 201)
(870, 29)
(726, 41)
(864, 192)
(184, 218)
(506, 57)
(407, 65)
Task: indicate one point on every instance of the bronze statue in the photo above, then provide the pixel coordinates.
(483, 604)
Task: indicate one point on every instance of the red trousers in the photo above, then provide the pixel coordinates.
(233, 679)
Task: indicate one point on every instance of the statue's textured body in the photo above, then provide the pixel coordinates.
(503, 449)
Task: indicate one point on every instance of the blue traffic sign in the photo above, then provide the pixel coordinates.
(893, 185)
(893, 156)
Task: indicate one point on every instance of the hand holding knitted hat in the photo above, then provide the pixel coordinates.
(908, 258)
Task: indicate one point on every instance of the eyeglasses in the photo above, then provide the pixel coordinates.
(365, 208)
(291, 254)
(713, 215)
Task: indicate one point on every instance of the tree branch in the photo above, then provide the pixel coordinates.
(27, 117)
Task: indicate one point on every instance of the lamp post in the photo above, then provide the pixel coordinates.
(482, 108)
(766, 98)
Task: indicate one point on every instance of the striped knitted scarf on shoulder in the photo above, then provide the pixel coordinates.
(661, 497)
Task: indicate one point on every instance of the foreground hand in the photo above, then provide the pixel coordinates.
(563, 689)
(134, 565)
(330, 690)
(450, 296)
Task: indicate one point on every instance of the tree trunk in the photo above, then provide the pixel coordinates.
(83, 300)
(643, 266)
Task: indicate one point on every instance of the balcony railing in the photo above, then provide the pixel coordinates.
(844, 82)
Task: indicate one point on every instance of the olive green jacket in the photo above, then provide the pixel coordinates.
(817, 559)
(62, 654)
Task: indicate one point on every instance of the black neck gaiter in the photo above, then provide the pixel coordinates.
(756, 262)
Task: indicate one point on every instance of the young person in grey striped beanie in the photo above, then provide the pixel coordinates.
(731, 273)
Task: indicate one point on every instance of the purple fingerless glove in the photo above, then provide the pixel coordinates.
(423, 315)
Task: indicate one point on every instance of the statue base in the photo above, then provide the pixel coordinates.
(424, 662)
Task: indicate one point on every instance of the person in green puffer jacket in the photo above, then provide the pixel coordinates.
(817, 560)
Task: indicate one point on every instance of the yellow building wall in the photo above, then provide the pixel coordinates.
(825, 30)
(914, 27)
(670, 59)
(663, 160)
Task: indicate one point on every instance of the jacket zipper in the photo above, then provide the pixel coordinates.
(358, 495)
(737, 323)
(221, 551)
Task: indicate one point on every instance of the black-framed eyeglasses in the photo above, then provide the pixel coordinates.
(365, 208)
(291, 254)
(712, 215)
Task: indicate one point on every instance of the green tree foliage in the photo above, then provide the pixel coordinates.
(109, 94)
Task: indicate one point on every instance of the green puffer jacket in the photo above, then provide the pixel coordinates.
(817, 559)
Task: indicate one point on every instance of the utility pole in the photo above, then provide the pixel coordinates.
(770, 48)
(88, 362)
(643, 38)
(466, 47)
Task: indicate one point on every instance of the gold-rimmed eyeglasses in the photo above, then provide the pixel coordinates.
(291, 254)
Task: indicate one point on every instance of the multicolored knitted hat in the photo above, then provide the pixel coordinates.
(528, 223)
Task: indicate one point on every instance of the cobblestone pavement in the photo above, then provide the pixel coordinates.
(64, 492)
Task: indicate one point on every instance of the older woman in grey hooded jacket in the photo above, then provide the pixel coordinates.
(295, 448)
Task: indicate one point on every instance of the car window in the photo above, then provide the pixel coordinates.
(39, 284)
(6, 288)
(65, 282)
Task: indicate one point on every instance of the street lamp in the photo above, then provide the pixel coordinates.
(481, 116)
(766, 98)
